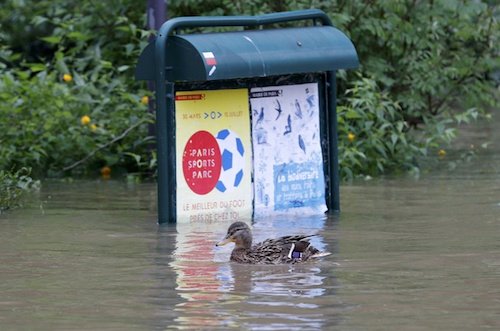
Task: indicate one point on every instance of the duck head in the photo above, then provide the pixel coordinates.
(240, 234)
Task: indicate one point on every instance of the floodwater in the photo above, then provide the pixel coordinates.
(408, 254)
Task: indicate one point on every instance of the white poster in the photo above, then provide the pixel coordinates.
(288, 162)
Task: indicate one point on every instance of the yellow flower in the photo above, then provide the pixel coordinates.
(106, 172)
(145, 100)
(67, 78)
(442, 153)
(85, 120)
(351, 136)
(93, 127)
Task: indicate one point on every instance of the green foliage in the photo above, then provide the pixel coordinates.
(12, 187)
(372, 131)
(427, 54)
(432, 60)
(86, 72)
(425, 68)
(43, 129)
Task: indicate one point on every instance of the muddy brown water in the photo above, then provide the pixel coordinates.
(408, 254)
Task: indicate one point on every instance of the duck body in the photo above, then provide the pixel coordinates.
(283, 250)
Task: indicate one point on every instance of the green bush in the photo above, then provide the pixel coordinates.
(12, 187)
(85, 73)
(373, 132)
(43, 128)
(424, 69)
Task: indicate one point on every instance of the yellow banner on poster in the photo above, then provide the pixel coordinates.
(214, 155)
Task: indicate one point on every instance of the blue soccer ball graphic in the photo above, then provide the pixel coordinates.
(233, 160)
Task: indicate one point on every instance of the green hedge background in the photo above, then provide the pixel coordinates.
(70, 107)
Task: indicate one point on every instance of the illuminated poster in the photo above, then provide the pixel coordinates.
(288, 162)
(213, 155)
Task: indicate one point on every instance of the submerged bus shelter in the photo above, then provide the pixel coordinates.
(246, 119)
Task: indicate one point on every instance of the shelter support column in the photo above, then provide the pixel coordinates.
(333, 199)
(165, 142)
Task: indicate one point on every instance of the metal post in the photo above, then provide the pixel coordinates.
(165, 142)
(156, 14)
(162, 143)
(171, 212)
(333, 152)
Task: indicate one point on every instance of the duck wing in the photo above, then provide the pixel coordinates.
(287, 249)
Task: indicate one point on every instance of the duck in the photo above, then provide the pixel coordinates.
(284, 250)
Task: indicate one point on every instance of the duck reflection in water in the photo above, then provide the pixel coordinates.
(253, 294)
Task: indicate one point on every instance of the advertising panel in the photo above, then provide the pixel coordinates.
(214, 155)
(288, 161)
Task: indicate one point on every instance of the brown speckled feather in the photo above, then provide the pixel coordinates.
(275, 251)
(287, 249)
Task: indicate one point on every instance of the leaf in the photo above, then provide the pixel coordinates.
(52, 39)
(122, 68)
(37, 67)
(76, 35)
(394, 139)
(106, 64)
(351, 114)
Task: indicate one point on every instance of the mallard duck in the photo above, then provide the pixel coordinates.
(288, 249)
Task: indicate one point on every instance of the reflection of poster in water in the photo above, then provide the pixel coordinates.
(288, 163)
(213, 155)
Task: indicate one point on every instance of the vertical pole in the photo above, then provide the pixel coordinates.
(165, 103)
(171, 190)
(333, 152)
(162, 144)
(156, 14)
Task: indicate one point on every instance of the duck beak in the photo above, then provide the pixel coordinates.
(225, 241)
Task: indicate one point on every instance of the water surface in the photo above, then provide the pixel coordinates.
(408, 254)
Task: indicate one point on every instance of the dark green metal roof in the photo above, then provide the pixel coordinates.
(253, 53)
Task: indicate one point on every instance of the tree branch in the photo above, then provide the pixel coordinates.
(120, 137)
